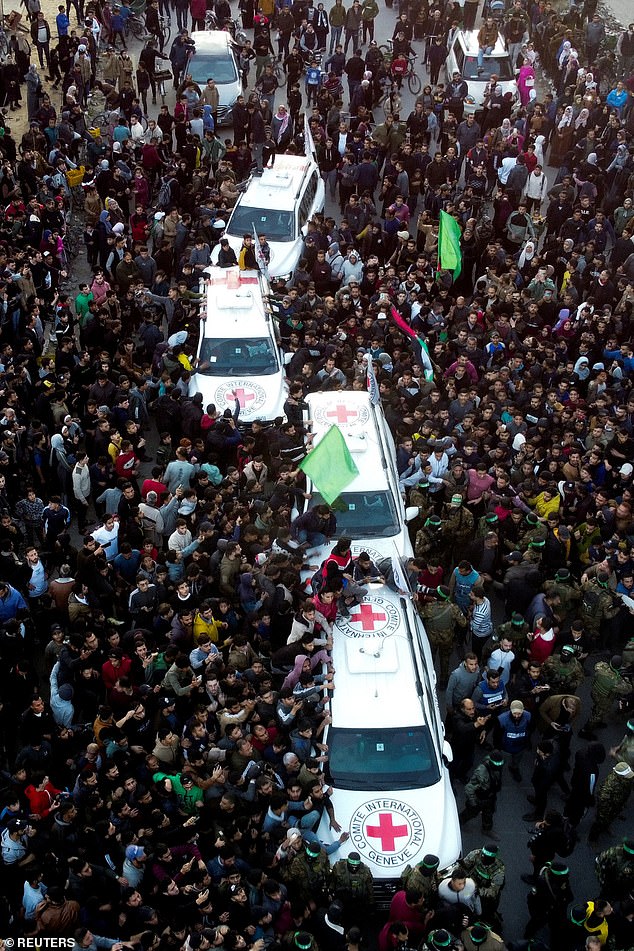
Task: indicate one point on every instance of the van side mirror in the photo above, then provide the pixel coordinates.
(411, 512)
(447, 752)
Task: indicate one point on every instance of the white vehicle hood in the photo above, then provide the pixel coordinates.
(392, 830)
(284, 254)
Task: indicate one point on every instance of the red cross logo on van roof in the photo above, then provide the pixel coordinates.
(366, 617)
(342, 413)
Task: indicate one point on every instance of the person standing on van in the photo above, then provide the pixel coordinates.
(257, 133)
(247, 260)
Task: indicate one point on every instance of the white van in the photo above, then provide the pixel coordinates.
(239, 355)
(387, 756)
(370, 511)
(213, 57)
(279, 203)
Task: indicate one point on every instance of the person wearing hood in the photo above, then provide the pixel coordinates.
(60, 464)
(352, 270)
(535, 189)
(33, 87)
(583, 782)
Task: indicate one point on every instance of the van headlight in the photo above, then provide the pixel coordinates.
(470, 101)
(284, 277)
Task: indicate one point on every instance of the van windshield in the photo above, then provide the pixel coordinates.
(381, 759)
(499, 66)
(276, 225)
(364, 514)
(255, 356)
(220, 66)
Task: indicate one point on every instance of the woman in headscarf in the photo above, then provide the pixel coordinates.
(526, 83)
(582, 119)
(525, 257)
(540, 142)
(60, 466)
(562, 138)
(33, 90)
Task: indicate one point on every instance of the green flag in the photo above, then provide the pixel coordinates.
(449, 253)
(330, 465)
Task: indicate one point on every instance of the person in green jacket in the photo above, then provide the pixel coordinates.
(369, 13)
(336, 18)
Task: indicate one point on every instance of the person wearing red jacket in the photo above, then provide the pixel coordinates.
(41, 795)
(117, 665)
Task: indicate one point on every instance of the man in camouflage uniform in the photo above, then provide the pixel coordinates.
(419, 496)
(424, 878)
(563, 672)
(488, 871)
(548, 901)
(615, 869)
(612, 798)
(607, 684)
(569, 595)
(352, 885)
(441, 617)
(624, 752)
(516, 630)
(535, 531)
(481, 792)
(458, 527)
(598, 604)
(480, 937)
(309, 875)
(432, 538)
(535, 551)
(487, 523)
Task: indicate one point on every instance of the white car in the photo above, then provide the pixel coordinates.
(214, 58)
(463, 58)
(279, 203)
(239, 355)
(387, 755)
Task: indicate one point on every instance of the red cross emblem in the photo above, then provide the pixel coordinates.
(342, 414)
(366, 617)
(241, 396)
(387, 832)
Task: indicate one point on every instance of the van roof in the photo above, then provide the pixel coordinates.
(277, 187)
(235, 305)
(358, 421)
(469, 40)
(373, 654)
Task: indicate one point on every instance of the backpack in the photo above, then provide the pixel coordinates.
(164, 199)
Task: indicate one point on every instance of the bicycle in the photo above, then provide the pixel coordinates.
(136, 26)
(413, 79)
(160, 77)
(166, 29)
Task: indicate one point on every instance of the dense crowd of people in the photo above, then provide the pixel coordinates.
(167, 672)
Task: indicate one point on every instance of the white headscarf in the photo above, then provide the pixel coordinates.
(566, 119)
(582, 119)
(539, 149)
(527, 254)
